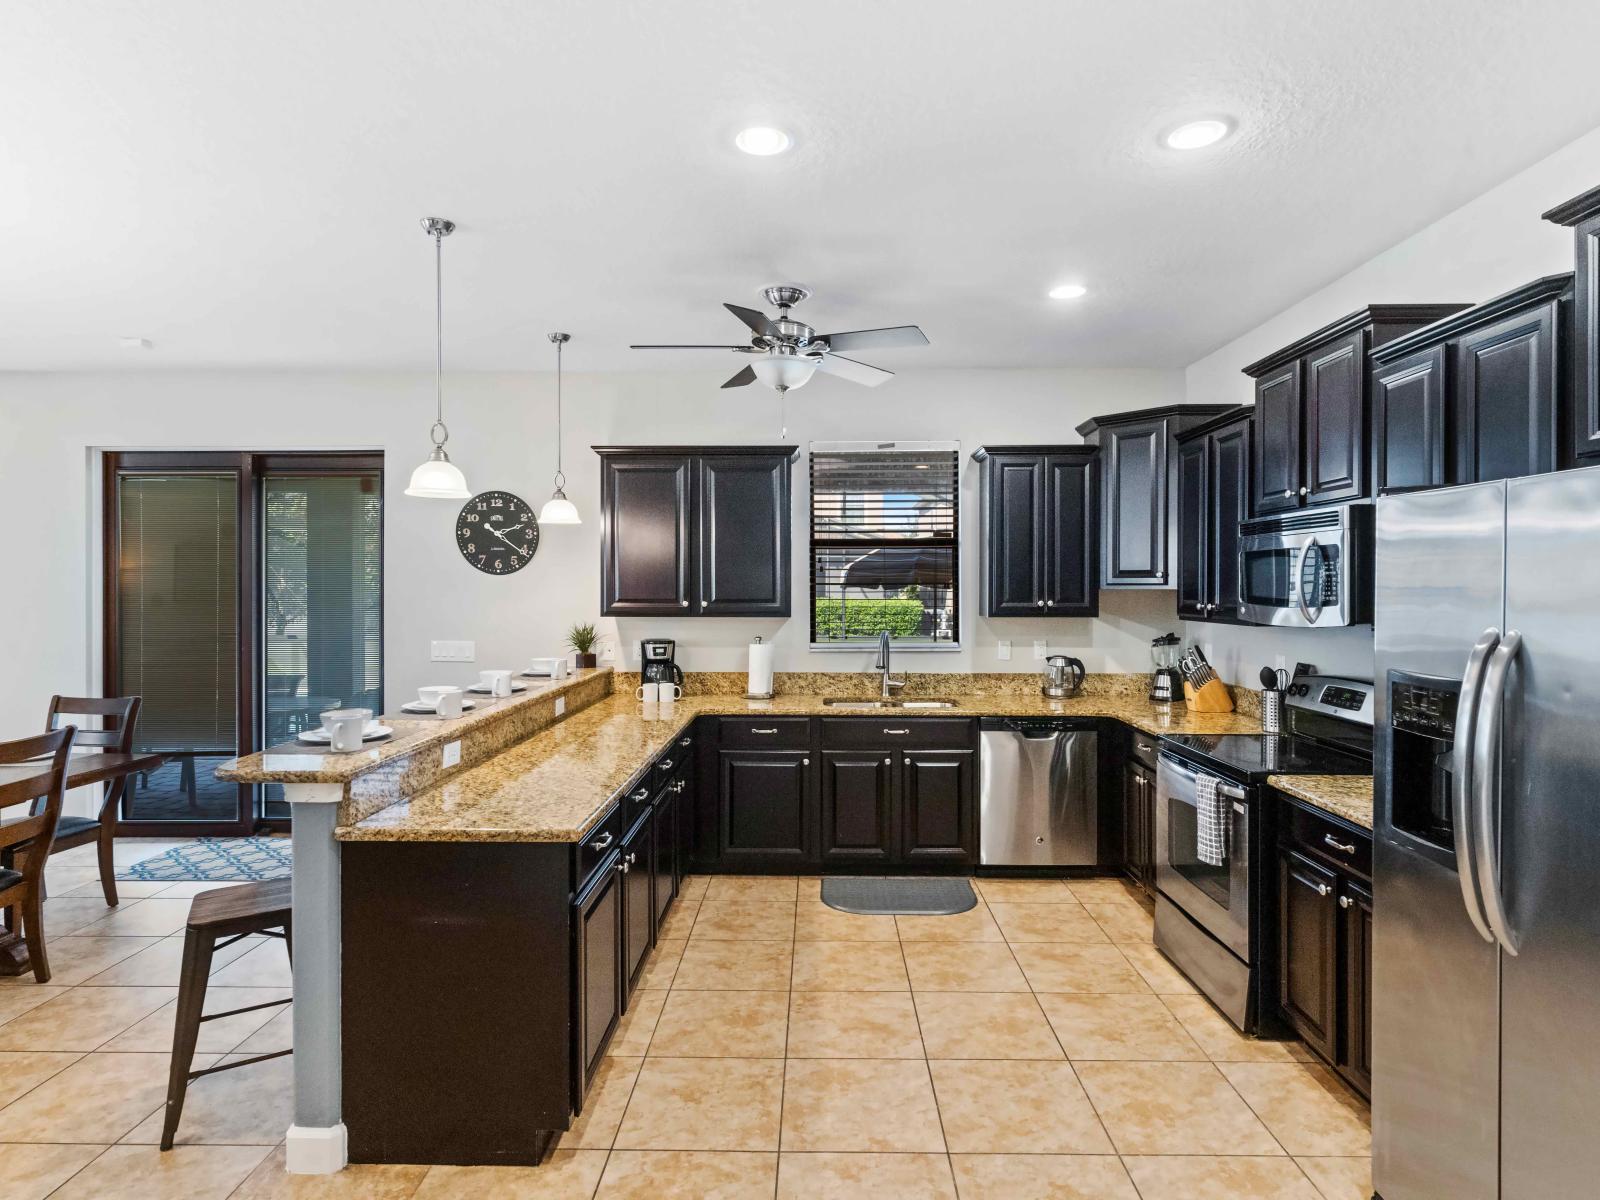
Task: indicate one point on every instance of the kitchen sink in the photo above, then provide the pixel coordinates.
(842, 702)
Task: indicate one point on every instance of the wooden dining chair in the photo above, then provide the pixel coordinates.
(118, 717)
(22, 890)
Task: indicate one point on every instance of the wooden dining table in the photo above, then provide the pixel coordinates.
(83, 770)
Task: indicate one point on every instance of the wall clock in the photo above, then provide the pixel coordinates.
(497, 533)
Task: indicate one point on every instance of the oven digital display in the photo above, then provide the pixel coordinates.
(1349, 699)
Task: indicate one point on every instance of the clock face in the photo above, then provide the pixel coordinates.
(497, 532)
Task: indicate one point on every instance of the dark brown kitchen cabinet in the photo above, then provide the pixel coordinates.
(1138, 533)
(1139, 813)
(664, 848)
(1040, 539)
(597, 934)
(938, 818)
(1308, 951)
(638, 867)
(1355, 924)
(695, 530)
(857, 806)
(1582, 214)
(767, 811)
(1312, 443)
(1482, 394)
(1213, 486)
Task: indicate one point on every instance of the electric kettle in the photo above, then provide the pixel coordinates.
(1063, 677)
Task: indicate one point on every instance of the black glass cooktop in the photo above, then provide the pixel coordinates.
(1258, 755)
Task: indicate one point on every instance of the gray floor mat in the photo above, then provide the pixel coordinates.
(875, 895)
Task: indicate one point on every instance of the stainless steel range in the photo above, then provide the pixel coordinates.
(1211, 910)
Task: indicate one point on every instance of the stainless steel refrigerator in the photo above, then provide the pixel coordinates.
(1486, 953)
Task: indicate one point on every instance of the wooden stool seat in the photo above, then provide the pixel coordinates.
(219, 918)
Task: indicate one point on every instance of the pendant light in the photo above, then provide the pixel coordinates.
(558, 510)
(439, 478)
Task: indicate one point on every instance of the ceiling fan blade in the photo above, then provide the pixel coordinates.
(893, 337)
(753, 317)
(681, 346)
(855, 372)
(744, 377)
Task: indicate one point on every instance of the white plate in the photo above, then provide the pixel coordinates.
(418, 708)
(541, 675)
(479, 690)
(319, 737)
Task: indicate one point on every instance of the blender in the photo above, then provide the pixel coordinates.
(1166, 685)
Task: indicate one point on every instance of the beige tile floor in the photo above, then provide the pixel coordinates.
(1038, 1046)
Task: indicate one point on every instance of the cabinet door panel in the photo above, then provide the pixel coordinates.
(1072, 551)
(664, 852)
(1194, 584)
(1308, 945)
(1408, 421)
(638, 900)
(644, 506)
(598, 933)
(937, 806)
(1133, 822)
(1134, 500)
(743, 536)
(766, 815)
(1586, 321)
(1356, 914)
(1015, 535)
(1504, 401)
(1227, 506)
(1277, 441)
(857, 806)
(1336, 421)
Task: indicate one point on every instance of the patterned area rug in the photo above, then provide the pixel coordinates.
(219, 860)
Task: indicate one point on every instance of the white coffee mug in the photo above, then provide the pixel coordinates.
(344, 727)
(561, 669)
(668, 692)
(648, 692)
(496, 683)
(444, 699)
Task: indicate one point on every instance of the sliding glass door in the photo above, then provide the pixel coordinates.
(243, 596)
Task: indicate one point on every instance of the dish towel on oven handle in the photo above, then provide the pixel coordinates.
(1212, 821)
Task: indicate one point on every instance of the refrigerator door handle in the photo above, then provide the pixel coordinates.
(1461, 780)
(1486, 787)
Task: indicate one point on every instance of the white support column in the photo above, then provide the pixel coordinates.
(316, 1142)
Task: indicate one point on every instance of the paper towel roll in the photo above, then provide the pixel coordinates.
(760, 683)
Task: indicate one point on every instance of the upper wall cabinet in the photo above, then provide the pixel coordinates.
(1582, 213)
(1477, 396)
(694, 530)
(1311, 424)
(1137, 504)
(1213, 499)
(1041, 531)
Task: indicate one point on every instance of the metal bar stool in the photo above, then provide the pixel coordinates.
(218, 919)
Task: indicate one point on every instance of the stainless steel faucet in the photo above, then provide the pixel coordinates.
(890, 684)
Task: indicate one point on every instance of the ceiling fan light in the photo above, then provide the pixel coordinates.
(784, 370)
(558, 510)
(762, 140)
(1069, 291)
(439, 479)
(1197, 135)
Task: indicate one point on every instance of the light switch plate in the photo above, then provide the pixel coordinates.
(1003, 652)
(454, 652)
(1041, 650)
(452, 754)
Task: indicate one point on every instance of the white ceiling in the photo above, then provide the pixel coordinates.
(241, 182)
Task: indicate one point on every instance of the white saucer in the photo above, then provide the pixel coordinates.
(478, 689)
(541, 675)
(418, 708)
(319, 737)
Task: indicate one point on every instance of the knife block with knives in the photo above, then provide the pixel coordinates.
(1202, 690)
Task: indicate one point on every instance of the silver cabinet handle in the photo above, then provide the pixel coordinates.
(603, 841)
(1289, 493)
(1304, 490)
(1486, 787)
(685, 741)
(1329, 840)
(1346, 902)
(633, 858)
(683, 604)
(763, 731)
(622, 865)
(703, 603)
(887, 761)
(642, 794)
(1461, 779)
(1323, 889)
(897, 732)
(1041, 604)
(805, 762)
(665, 764)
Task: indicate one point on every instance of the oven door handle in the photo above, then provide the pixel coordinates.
(1224, 788)
(1300, 581)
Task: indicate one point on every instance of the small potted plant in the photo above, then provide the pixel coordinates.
(581, 638)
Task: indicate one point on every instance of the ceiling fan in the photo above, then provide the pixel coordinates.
(787, 352)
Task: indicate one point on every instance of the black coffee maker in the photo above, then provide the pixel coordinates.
(656, 663)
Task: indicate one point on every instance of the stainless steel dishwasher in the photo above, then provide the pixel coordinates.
(1040, 795)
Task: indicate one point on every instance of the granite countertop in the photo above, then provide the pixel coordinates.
(1347, 796)
(554, 786)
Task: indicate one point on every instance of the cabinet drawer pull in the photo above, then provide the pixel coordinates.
(684, 741)
(642, 794)
(763, 731)
(622, 865)
(1347, 848)
(633, 858)
(1323, 889)
(665, 764)
(1345, 902)
(683, 604)
(887, 761)
(805, 762)
(1304, 490)
(897, 732)
(603, 841)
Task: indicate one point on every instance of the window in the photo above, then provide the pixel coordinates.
(884, 546)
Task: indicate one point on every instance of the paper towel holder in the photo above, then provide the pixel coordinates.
(757, 695)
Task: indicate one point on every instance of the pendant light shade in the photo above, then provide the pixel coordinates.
(558, 510)
(438, 478)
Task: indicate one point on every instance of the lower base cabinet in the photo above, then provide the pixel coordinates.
(938, 817)
(1325, 939)
(597, 935)
(766, 809)
(1139, 824)
(638, 898)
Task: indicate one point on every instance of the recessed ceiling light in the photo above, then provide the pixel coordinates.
(763, 140)
(135, 343)
(1196, 135)
(1068, 291)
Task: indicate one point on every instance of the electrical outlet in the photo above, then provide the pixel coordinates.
(1003, 652)
(452, 754)
(561, 705)
(455, 652)
(1041, 650)
(608, 652)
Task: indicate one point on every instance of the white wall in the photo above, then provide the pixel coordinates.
(502, 436)
(1488, 246)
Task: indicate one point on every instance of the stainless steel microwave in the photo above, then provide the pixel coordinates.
(1308, 570)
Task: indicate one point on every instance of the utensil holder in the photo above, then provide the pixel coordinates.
(1272, 711)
